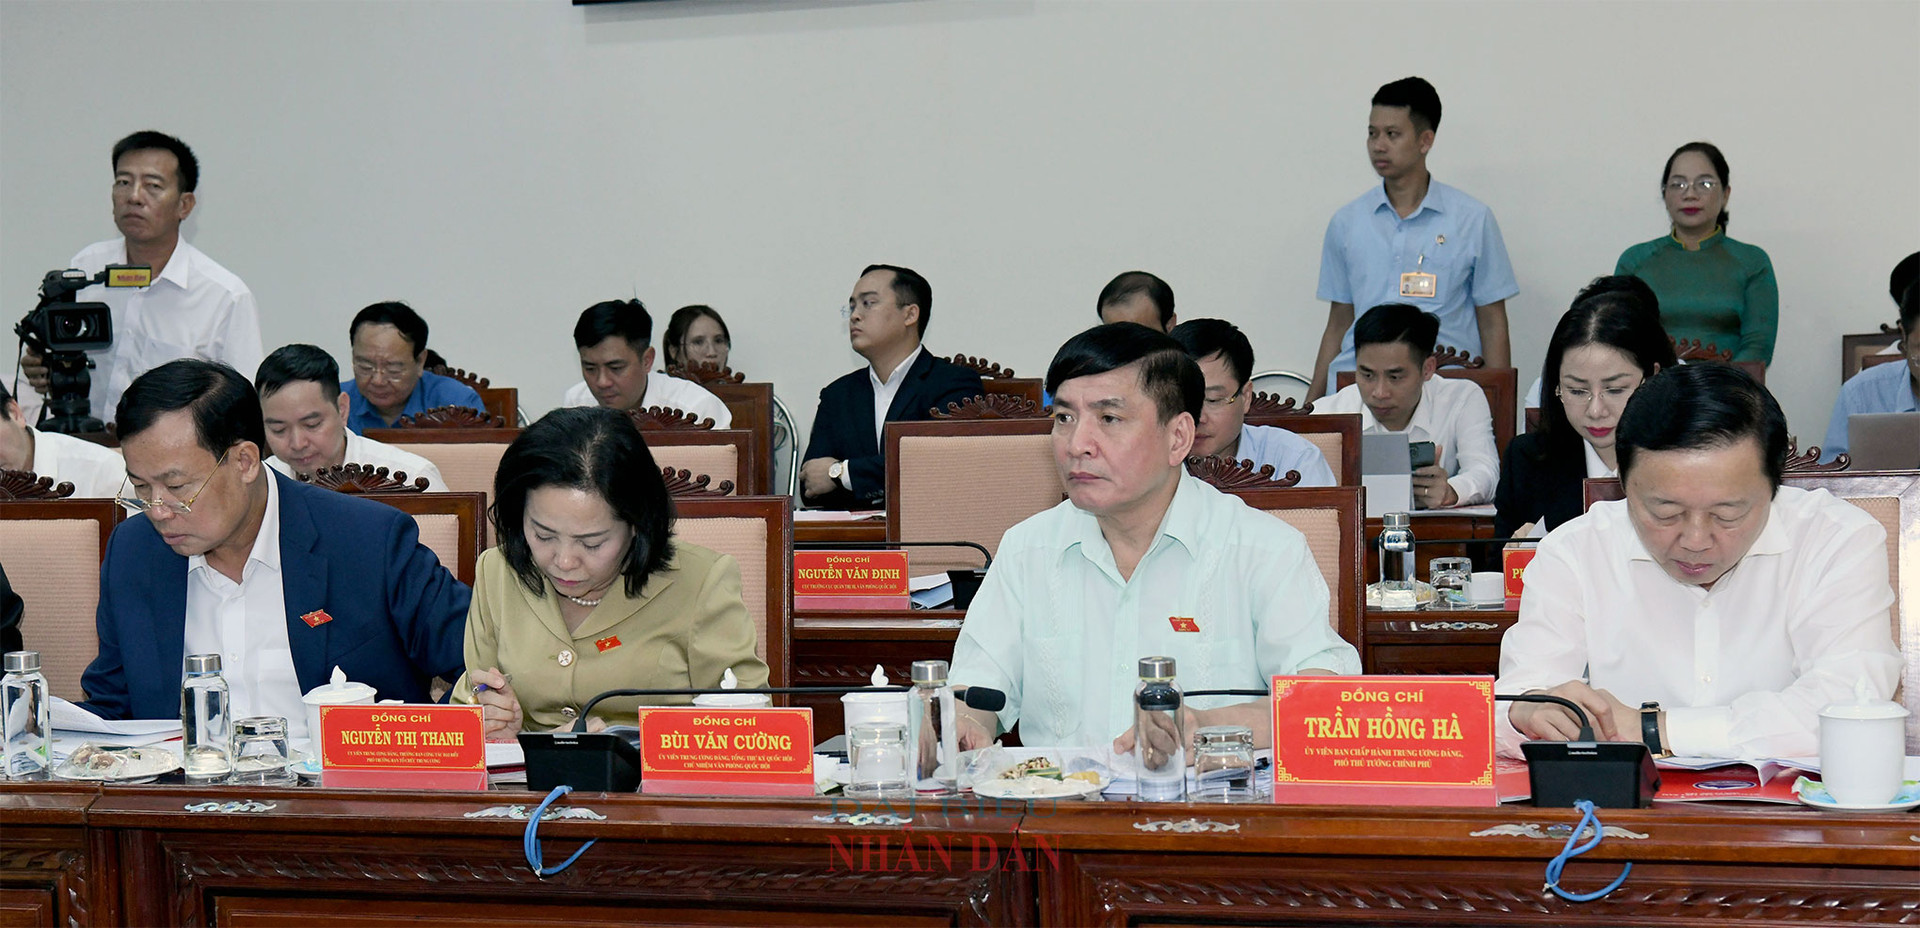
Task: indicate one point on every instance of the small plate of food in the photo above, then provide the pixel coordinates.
(1039, 777)
(105, 763)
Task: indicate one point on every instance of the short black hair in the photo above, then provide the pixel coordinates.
(1904, 275)
(677, 326)
(1167, 374)
(1132, 282)
(396, 314)
(149, 139)
(226, 410)
(1398, 322)
(908, 288)
(597, 450)
(6, 396)
(291, 364)
(1619, 312)
(1696, 407)
(1713, 154)
(1418, 96)
(1910, 307)
(1204, 338)
(628, 319)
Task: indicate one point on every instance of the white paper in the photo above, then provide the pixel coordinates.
(928, 582)
(67, 717)
(837, 515)
(505, 754)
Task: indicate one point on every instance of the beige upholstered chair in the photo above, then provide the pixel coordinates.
(1337, 435)
(722, 454)
(467, 458)
(1334, 520)
(452, 525)
(1893, 498)
(52, 551)
(758, 532)
(966, 480)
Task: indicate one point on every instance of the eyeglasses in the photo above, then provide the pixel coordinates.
(388, 372)
(136, 504)
(1705, 185)
(1218, 403)
(1581, 396)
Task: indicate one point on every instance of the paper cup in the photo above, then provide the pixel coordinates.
(1487, 588)
(733, 701)
(1863, 752)
(863, 708)
(332, 694)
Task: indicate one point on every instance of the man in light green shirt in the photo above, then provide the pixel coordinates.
(1141, 560)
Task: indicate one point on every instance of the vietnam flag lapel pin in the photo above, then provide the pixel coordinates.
(316, 618)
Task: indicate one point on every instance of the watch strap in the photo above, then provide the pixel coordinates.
(1650, 728)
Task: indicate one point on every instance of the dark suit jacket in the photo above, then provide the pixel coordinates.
(843, 425)
(398, 618)
(1533, 485)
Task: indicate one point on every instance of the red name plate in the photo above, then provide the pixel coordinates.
(1386, 740)
(1514, 559)
(850, 580)
(726, 752)
(402, 747)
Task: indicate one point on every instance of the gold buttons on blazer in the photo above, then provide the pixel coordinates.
(565, 658)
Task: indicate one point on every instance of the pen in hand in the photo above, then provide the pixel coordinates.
(479, 688)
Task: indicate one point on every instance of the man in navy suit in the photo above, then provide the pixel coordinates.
(283, 580)
(886, 319)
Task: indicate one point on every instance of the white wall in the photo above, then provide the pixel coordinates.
(503, 165)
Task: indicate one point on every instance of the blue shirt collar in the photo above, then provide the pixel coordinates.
(1434, 201)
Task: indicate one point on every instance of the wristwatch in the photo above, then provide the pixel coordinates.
(1650, 729)
(836, 471)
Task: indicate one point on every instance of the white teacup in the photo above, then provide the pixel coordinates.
(1487, 588)
(333, 694)
(1863, 750)
(874, 708)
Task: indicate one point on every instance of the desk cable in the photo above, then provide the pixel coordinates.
(531, 843)
(1588, 818)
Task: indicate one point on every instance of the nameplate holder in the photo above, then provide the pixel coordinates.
(726, 752)
(856, 580)
(1383, 740)
(1514, 558)
(402, 747)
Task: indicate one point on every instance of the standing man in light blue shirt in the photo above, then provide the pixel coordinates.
(1887, 387)
(1226, 361)
(1141, 559)
(1413, 240)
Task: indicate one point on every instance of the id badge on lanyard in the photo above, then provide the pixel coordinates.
(1416, 283)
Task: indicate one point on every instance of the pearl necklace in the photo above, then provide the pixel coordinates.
(589, 603)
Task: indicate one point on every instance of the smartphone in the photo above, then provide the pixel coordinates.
(1422, 454)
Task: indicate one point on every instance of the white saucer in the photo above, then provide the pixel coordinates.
(1812, 793)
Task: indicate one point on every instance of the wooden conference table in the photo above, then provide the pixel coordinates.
(143, 855)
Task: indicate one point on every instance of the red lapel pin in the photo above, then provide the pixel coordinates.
(608, 643)
(1183, 624)
(316, 618)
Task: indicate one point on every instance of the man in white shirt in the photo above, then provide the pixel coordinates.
(1141, 560)
(284, 581)
(306, 419)
(1226, 361)
(614, 339)
(1712, 612)
(94, 470)
(194, 308)
(1396, 389)
(887, 317)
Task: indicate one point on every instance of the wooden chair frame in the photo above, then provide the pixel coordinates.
(104, 511)
(1349, 503)
(745, 444)
(935, 428)
(751, 405)
(777, 511)
(469, 508)
(1347, 424)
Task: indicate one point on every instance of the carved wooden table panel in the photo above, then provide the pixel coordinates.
(367, 857)
(1317, 866)
(1441, 641)
(46, 877)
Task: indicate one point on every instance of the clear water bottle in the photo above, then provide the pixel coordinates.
(932, 738)
(1396, 562)
(1158, 742)
(206, 719)
(23, 704)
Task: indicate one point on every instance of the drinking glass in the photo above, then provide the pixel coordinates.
(260, 752)
(877, 756)
(1449, 577)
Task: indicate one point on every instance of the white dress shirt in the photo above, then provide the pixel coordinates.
(1270, 444)
(364, 450)
(246, 624)
(1452, 414)
(669, 391)
(194, 309)
(885, 390)
(1742, 670)
(95, 471)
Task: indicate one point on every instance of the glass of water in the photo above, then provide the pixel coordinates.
(877, 754)
(260, 752)
(1449, 576)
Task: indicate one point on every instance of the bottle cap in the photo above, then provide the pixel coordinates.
(203, 663)
(929, 673)
(1156, 668)
(1396, 520)
(23, 662)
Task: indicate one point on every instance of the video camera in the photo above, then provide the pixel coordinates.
(62, 331)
